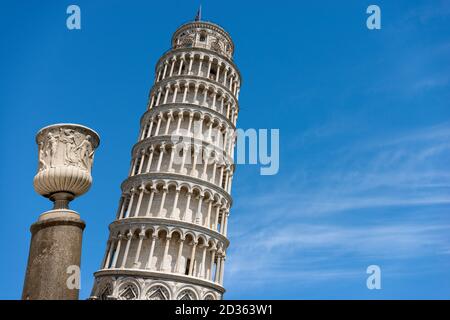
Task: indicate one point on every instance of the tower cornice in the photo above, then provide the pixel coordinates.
(168, 139)
(206, 25)
(139, 222)
(160, 275)
(185, 78)
(185, 106)
(140, 179)
(198, 50)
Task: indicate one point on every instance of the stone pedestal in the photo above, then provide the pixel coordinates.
(55, 247)
(66, 153)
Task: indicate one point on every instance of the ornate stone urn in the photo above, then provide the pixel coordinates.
(66, 154)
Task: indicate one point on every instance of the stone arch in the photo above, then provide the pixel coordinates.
(172, 183)
(117, 234)
(177, 111)
(201, 239)
(209, 117)
(165, 115)
(148, 185)
(159, 184)
(183, 83)
(196, 189)
(105, 291)
(157, 292)
(219, 246)
(197, 54)
(149, 231)
(191, 235)
(178, 231)
(197, 114)
(187, 293)
(212, 243)
(186, 112)
(128, 231)
(209, 296)
(137, 230)
(223, 202)
(208, 193)
(185, 186)
(162, 229)
(128, 290)
(202, 84)
(215, 60)
(217, 198)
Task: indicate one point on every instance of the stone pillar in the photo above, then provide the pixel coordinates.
(136, 263)
(153, 240)
(65, 160)
(55, 247)
(191, 266)
(211, 265)
(105, 264)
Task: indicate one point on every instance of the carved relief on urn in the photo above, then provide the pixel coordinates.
(66, 154)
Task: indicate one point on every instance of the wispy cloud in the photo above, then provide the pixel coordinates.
(297, 229)
(400, 170)
(310, 252)
(428, 12)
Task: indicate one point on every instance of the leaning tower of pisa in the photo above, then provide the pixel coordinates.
(169, 238)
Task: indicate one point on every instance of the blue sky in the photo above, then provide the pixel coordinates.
(364, 119)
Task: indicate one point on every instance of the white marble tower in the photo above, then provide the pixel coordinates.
(169, 238)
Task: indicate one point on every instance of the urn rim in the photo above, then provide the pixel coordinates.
(92, 132)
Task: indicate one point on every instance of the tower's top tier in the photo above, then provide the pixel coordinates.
(202, 34)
